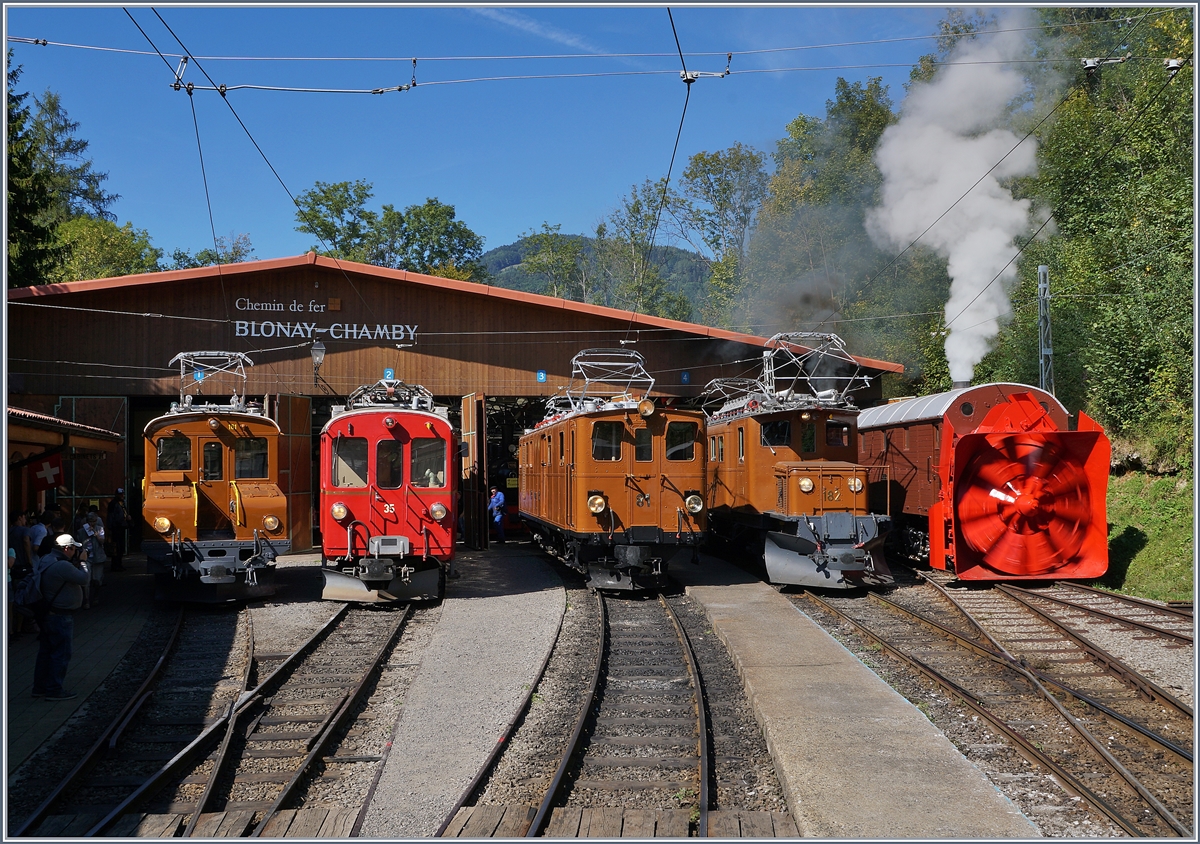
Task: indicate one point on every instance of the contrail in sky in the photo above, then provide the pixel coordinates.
(516, 20)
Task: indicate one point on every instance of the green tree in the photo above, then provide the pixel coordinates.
(720, 194)
(426, 239)
(622, 248)
(228, 250)
(61, 157)
(101, 249)
(336, 214)
(31, 248)
(423, 238)
(558, 258)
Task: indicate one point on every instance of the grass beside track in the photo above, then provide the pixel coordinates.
(1150, 535)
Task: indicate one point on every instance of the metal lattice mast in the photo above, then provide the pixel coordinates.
(1045, 344)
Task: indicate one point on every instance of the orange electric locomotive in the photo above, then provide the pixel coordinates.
(388, 484)
(612, 482)
(784, 484)
(990, 483)
(213, 505)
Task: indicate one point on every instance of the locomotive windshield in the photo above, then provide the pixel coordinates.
(777, 433)
(214, 461)
(389, 464)
(174, 454)
(428, 465)
(606, 440)
(681, 440)
(643, 445)
(808, 437)
(350, 462)
(250, 457)
(837, 434)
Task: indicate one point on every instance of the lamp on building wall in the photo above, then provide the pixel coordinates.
(318, 356)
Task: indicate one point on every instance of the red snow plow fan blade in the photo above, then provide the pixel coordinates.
(1031, 505)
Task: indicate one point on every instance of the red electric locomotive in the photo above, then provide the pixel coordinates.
(388, 510)
(990, 483)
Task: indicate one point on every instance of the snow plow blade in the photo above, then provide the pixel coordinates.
(424, 585)
(788, 563)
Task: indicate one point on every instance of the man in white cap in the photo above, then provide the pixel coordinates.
(118, 520)
(62, 582)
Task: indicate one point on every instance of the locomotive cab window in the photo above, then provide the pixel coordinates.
(389, 464)
(643, 445)
(681, 440)
(778, 432)
(837, 434)
(428, 464)
(808, 438)
(214, 461)
(606, 440)
(350, 462)
(174, 454)
(249, 457)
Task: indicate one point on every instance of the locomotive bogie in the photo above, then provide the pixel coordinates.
(388, 512)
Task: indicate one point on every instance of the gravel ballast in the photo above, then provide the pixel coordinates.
(497, 626)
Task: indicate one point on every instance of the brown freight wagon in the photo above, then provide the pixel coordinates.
(784, 484)
(611, 482)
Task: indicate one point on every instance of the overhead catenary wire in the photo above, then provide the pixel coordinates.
(252, 141)
(568, 56)
(688, 80)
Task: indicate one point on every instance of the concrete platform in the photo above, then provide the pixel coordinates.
(103, 635)
(854, 757)
(499, 621)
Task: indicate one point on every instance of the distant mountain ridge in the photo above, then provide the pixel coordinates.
(683, 271)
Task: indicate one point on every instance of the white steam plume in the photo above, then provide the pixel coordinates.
(948, 136)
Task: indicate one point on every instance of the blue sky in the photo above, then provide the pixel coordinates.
(507, 154)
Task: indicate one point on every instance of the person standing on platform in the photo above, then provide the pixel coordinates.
(62, 582)
(118, 520)
(496, 508)
(18, 540)
(37, 533)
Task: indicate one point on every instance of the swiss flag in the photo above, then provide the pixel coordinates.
(46, 473)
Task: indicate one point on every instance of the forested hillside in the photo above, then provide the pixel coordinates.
(683, 272)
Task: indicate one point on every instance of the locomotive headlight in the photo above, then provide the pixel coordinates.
(806, 485)
(162, 524)
(597, 504)
(855, 484)
(271, 523)
(646, 408)
(438, 510)
(214, 423)
(389, 422)
(339, 511)
(694, 504)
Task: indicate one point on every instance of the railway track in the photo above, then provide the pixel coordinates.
(635, 756)
(1060, 701)
(246, 750)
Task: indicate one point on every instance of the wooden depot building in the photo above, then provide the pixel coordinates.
(96, 353)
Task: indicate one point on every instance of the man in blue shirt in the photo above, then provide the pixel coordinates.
(496, 508)
(63, 577)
